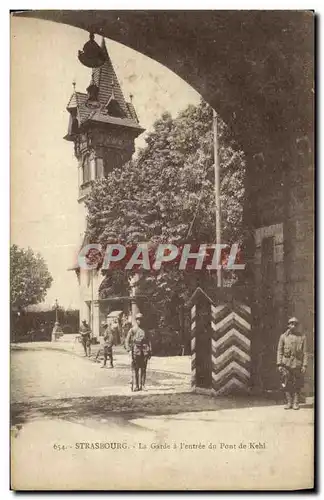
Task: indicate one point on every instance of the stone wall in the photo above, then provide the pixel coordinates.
(282, 217)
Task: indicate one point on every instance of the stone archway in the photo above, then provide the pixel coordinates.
(256, 69)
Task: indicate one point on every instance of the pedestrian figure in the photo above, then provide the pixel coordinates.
(85, 338)
(292, 362)
(108, 346)
(138, 345)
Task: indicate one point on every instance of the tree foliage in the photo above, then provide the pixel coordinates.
(29, 277)
(166, 195)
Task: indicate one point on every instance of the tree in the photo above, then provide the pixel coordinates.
(166, 195)
(157, 196)
(29, 277)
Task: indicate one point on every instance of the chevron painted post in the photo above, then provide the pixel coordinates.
(231, 345)
(193, 346)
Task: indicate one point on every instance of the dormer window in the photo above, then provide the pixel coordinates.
(93, 92)
(114, 109)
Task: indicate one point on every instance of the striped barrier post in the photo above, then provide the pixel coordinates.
(193, 346)
(231, 345)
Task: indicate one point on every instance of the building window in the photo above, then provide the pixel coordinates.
(93, 173)
(99, 168)
(86, 170)
(113, 159)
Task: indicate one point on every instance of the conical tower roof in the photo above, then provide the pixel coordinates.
(111, 106)
(106, 80)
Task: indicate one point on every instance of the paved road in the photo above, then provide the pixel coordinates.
(49, 373)
(62, 400)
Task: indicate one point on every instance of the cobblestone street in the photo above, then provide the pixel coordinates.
(61, 399)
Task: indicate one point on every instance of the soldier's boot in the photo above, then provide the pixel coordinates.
(136, 381)
(143, 380)
(289, 404)
(104, 362)
(296, 401)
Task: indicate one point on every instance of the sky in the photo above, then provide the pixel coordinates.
(44, 189)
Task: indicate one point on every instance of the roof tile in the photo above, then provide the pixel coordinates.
(106, 79)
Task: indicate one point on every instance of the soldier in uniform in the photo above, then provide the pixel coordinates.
(108, 346)
(102, 333)
(85, 337)
(138, 345)
(292, 362)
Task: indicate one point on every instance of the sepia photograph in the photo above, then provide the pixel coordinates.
(162, 323)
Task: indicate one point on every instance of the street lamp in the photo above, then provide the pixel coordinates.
(56, 307)
(92, 55)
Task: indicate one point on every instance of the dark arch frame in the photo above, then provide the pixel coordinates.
(254, 67)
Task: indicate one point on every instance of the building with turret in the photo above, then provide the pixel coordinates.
(103, 127)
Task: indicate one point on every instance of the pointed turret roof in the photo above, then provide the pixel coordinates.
(111, 107)
(73, 102)
(106, 79)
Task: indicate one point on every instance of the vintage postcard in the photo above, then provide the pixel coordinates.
(162, 250)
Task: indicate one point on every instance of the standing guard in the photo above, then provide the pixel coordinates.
(85, 338)
(108, 346)
(292, 362)
(138, 345)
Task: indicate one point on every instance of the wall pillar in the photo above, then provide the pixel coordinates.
(95, 319)
(84, 311)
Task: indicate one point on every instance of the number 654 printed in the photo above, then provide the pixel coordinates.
(60, 447)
